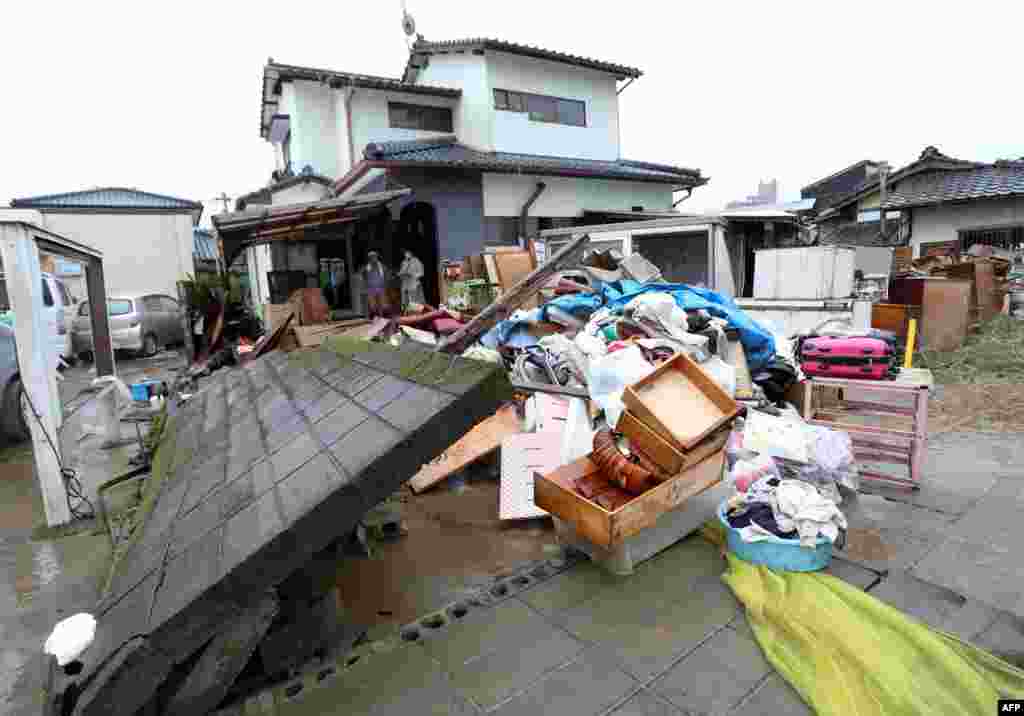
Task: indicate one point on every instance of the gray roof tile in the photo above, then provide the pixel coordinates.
(1004, 178)
(448, 152)
(486, 43)
(107, 198)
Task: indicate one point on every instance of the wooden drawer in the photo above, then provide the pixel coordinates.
(680, 402)
(554, 492)
(663, 453)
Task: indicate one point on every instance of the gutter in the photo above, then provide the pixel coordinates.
(538, 190)
(689, 193)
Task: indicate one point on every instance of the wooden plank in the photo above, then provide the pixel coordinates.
(490, 270)
(513, 268)
(312, 336)
(737, 358)
(482, 440)
(680, 402)
(902, 257)
(945, 313)
(515, 297)
(368, 331)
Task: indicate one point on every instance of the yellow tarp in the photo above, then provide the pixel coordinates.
(849, 654)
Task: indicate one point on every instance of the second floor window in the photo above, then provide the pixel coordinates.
(422, 117)
(542, 108)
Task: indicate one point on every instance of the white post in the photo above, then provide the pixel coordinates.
(862, 315)
(38, 374)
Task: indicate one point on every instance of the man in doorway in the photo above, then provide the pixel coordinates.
(411, 273)
(376, 275)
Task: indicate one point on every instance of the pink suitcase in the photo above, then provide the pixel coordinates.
(868, 370)
(838, 347)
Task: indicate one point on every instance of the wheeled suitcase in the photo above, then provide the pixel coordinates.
(858, 357)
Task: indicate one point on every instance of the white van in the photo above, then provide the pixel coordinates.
(58, 313)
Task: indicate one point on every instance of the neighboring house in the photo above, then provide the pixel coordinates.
(204, 251)
(496, 141)
(936, 203)
(146, 238)
(767, 194)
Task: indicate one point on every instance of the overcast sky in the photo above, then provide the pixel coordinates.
(167, 99)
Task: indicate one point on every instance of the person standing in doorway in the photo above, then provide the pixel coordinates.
(411, 273)
(376, 275)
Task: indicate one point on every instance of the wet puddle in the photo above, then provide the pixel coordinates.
(455, 544)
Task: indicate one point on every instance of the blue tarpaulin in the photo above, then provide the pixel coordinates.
(758, 343)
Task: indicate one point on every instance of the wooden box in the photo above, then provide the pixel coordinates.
(663, 453)
(680, 402)
(556, 494)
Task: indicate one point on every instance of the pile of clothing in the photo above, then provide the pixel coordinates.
(790, 509)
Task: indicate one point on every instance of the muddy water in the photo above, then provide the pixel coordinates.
(41, 582)
(455, 543)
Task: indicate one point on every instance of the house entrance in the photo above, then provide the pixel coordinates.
(417, 231)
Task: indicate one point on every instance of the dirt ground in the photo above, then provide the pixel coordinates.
(454, 544)
(985, 408)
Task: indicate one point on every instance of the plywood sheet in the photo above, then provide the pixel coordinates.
(513, 267)
(523, 455)
(482, 440)
(945, 313)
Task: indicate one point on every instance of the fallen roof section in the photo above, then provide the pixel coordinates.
(265, 467)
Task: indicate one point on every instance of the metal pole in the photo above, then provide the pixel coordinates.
(103, 349)
(184, 299)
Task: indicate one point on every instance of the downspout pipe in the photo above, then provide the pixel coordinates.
(538, 190)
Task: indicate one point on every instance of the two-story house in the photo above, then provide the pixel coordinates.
(495, 140)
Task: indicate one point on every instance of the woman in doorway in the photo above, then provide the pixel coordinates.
(376, 275)
(411, 273)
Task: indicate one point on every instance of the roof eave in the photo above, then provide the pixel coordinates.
(680, 181)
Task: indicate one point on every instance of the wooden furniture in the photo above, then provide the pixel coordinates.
(555, 492)
(662, 452)
(680, 402)
(945, 314)
(893, 317)
(887, 420)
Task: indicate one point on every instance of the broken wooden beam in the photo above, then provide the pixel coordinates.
(550, 388)
(513, 298)
(482, 440)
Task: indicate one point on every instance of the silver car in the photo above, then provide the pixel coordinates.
(142, 324)
(12, 419)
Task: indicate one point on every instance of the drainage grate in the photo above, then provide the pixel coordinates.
(318, 674)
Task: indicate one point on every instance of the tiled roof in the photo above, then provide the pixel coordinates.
(1004, 178)
(204, 247)
(448, 152)
(107, 198)
(263, 196)
(425, 47)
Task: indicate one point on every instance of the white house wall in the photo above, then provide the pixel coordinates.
(299, 194)
(142, 253)
(505, 194)
(515, 132)
(370, 117)
(474, 115)
(941, 223)
(314, 125)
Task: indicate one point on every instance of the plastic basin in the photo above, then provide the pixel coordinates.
(775, 552)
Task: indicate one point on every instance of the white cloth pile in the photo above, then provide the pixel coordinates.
(799, 506)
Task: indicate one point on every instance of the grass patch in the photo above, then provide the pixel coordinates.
(21, 452)
(45, 533)
(993, 355)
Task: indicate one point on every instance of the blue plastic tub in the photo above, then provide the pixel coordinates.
(775, 552)
(140, 391)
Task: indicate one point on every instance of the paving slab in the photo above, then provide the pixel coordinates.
(481, 632)
(716, 676)
(229, 540)
(589, 685)
(936, 606)
(646, 703)
(773, 698)
(991, 573)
